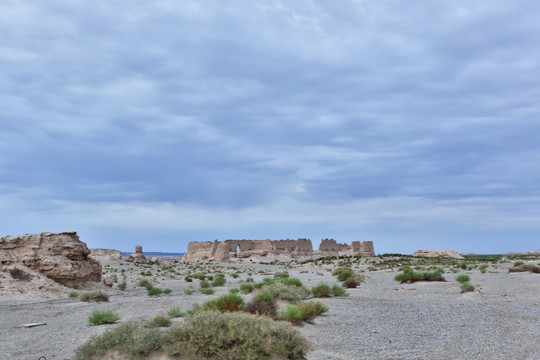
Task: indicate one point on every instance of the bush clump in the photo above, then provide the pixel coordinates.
(160, 320)
(284, 292)
(94, 296)
(321, 290)
(175, 312)
(228, 302)
(146, 284)
(303, 311)
(99, 317)
(409, 276)
(466, 287)
(73, 294)
(291, 282)
(463, 278)
(521, 267)
(206, 291)
(260, 306)
(246, 288)
(153, 291)
(235, 336)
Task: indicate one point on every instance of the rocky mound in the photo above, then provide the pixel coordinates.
(106, 254)
(46, 261)
(438, 253)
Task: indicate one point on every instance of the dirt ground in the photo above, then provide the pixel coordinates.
(381, 319)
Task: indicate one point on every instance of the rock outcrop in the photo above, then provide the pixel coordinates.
(268, 250)
(438, 253)
(106, 254)
(61, 257)
(137, 257)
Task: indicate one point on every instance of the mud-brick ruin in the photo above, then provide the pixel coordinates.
(232, 250)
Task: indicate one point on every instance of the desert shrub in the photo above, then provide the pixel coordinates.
(351, 282)
(154, 291)
(281, 275)
(94, 296)
(175, 312)
(206, 291)
(188, 278)
(122, 286)
(466, 287)
(235, 275)
(521, 267)
(167, 291)
(204, 284)
(160, 320)
(291, 282)
(228, 302)
(188, 291)
(343, 273)
(234, 290)
(321, 290)
(99, 317)
(260, 306)
(303, 311)
(146, 284)
(463, 278)
(235, 336)
(246, 288)
(284, 292)
(249, 279)
(130, 339)
(73, 294)
(409, 276)
(201, 276)
(463, 265)
(19, 274)
(338, 290)
(219, 281)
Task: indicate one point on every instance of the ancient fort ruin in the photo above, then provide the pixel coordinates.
(231, 250)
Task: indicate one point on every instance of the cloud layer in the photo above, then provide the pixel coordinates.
(409, 124)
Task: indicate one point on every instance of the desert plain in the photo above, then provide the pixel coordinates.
(380, 319)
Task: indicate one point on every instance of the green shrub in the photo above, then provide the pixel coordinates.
(246, 288)
(249, 279)
(463, 265)
(234, 290)
(463, 278)
(146, 284)
(122, 286)
(188, 291)
(188, 279)
(206, 291)
(235, 336)
(219, 281)
(281, 275)
(321, 290)
(235, 275)
(154, 291)
(228, 302)
(99, 317)
(73, 294)
(291, 282)
(338, 290)
(303, 311)
(175, 312)
(160, 321)
(204, 284)
(167, 291)
(343, 273)
(466, 287)
(201, 276)
(409, 276)
(284, 292)
(521, 267)
(130, 339)
(94, 296)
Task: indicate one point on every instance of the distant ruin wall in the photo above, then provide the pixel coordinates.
(231, 248)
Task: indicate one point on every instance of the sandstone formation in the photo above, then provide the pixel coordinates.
(230, 250)
(438, 253)
(61, 257)
(137, 257)
(106, 254)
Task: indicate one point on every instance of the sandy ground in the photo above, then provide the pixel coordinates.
(381, 319)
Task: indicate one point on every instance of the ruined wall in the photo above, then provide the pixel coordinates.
(332, 245)
(362, 248)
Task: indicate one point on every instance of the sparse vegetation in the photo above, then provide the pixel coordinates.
(303, 311)
(94, 296)
(466, 287)
(73, 294)
(99, 317)
(175, 312)
(410, 276)
(463, 278)
(206, 291)
(228, 302)
(522, 267)
(160, 320)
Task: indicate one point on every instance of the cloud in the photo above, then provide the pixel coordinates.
(177, 109)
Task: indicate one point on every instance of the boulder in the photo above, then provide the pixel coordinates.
(438, 253)
(61, 257)
(106, 254)
(108, 281)
(138, 257)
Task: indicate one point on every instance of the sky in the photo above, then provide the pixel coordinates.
(413, 124)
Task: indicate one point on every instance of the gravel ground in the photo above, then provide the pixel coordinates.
(380, 320)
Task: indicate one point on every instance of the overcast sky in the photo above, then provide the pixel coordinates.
(414, 124)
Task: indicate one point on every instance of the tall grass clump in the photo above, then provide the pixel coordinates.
(463, 278)
(73, 294)
(228, 302)
(321, 290)
(160, 320)
(175, 312)
(99, 317)
(303, 311)
(466, 287)
(521, 267)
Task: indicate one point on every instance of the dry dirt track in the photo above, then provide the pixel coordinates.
(380, 320)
